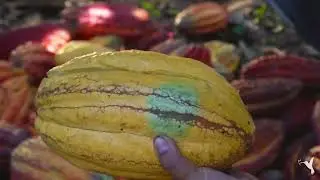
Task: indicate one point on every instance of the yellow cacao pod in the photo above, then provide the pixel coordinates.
(33, 160)
(101, 112)
(78, 48)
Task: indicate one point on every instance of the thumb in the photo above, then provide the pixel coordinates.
(171, 159)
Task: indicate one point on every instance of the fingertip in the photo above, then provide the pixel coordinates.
(161, 145)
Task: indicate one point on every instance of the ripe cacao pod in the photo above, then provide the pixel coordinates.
(201, 18)
(33, 160)
(181, 48)
(149, 40)
(78, 48)
(267, 143)
(287, 66)
(297, 116)
(17, 99)
(267, 94)
(34, 60)
(102, 18)
(122, 106)
(13, 38)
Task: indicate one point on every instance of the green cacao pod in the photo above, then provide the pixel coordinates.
(102, 115)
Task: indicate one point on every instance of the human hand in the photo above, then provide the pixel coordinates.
(180, 167)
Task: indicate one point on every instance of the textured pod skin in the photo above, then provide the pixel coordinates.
(297, 116)
(267, 143)
(194, 51)
(33, 160)
(179, 47)
(17, 101)
(284, 66)
(202, 18)
(122, 106)
(77, 48)
(266, 94)
(12, 39)
(124, 20)
(34, 60)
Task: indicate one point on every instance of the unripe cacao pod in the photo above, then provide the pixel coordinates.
(109, 41)
(95, 112)
(201, 18)
(224, 57)
(77, 48)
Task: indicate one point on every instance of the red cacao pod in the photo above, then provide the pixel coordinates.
(150, 40)
(179, 47)
(118, 19)
(297, 116)
(265, 95)
(284, 66)
(34, 59)
(13, 38)
(168, 46)
(267, 143)
(201, 18)
(194, 51)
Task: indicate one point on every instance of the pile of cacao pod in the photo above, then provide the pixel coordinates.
(278, 84)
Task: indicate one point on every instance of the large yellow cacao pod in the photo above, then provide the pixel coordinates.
(101, 112)
(78, 48)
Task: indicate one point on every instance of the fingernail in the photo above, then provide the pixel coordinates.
(161, 145)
